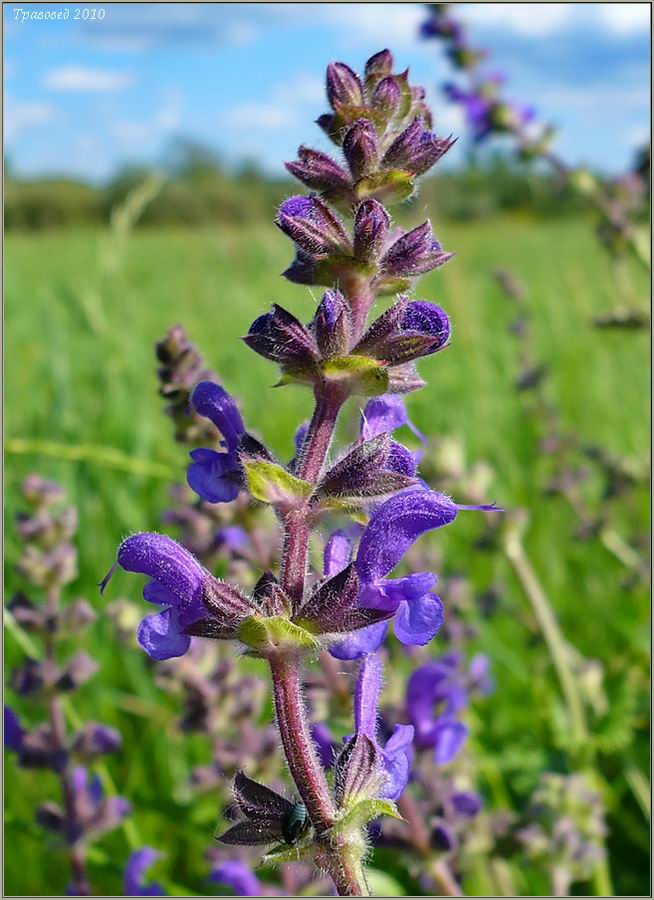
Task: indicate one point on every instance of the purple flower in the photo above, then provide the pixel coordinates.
(416, 149)
(195, 601)
(240, 878)
(13, 731)
(324, 744)
(435, 695)
(213, 475)
(393, 528)
(395, 753)
(137, 865)
(386, 413)
(177, 583)
(361, 148)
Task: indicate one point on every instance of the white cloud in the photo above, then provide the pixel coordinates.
(525, 19)
(271, 116)
(288, 104)
(385, 23)
(21, 116)
(81, 78)
(134, 135)
(626, 18)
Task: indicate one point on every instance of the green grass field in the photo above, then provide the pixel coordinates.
(82, 315)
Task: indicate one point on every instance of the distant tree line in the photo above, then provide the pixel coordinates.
(199, 190)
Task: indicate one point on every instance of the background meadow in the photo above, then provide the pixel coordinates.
(91, 284)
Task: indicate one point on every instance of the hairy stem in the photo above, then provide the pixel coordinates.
(297, 529)
(344, 866)
(343, 862)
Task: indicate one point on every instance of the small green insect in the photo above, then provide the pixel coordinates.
(295, 823)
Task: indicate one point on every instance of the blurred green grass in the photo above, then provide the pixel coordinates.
(81, 322)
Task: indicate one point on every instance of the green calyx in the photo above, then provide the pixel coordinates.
(389, 186)
(271, 483)
(358, 813)
(356, 375)
(267, 636)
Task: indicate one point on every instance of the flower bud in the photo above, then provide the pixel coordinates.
(331, 324)
(371, 226)
(406, 332)
(343, 86)
(318, 171)
(379, 66)
(313, 227)
(360, 148)
(281, 337)
(414, 253)
(387, 97)
(416, 149)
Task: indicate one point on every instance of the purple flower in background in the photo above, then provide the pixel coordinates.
(394, 755)
(13, 731)
(133, 880)
(239, 877)
(477, 109)
(324, 744)
(213, 475)
(386, 413)
(436, 694)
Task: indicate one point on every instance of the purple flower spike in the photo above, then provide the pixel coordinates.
(240, 878)
(214, 403)
(386, 413)
(137, 865)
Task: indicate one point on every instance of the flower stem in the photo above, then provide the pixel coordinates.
(553, 637)
(297, 529)
(343, 862)
(343, 865)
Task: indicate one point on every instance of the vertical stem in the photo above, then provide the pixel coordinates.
(416, 827)
(552, 634)
(343, 865)
(343, 862)
(444, 879)
(296, 527)
(298, 745)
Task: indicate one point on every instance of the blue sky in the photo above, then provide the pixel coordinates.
(83, 97)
